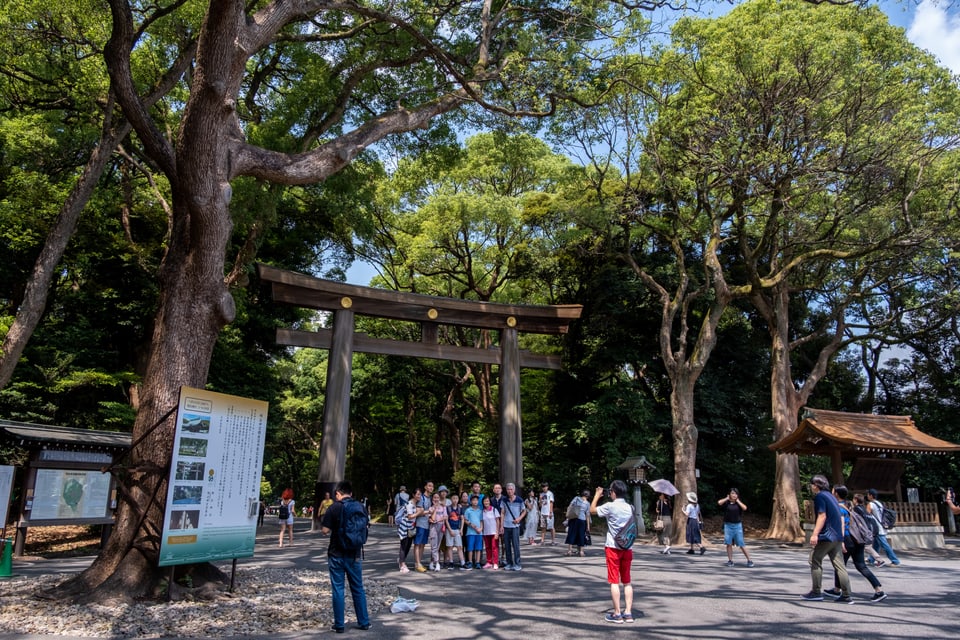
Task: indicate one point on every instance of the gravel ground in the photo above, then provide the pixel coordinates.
(264, 601)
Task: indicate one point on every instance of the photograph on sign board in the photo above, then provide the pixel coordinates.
(180, 520)
(190, 470)
(196, 424)
(193, 447)
(187, 494)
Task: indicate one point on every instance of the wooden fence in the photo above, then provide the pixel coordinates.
(908, 513)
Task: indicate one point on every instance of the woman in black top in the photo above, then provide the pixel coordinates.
(664, 512)
(732, 508)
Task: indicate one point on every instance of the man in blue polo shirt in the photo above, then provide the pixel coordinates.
(826, 540)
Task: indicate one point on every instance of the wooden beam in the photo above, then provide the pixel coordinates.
(323, 339)
(316, 293)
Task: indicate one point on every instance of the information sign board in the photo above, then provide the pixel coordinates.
(214, 488)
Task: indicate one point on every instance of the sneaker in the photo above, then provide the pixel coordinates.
(728, 563)
(879, 563)
(437, 568)
(467, 567)
(421, 568)
(476, 565)
(690, 552)
(844, 600)
(750, 564)
(836, 593)
(494, 567)
(404, 569)
(338, 629)
(878, 596)
(702, 551)
(363, 627)
(517, 567)
(813, 595)
(615, 618)
(627, 617)
(487, 566)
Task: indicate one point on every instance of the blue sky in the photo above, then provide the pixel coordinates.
(933, 25)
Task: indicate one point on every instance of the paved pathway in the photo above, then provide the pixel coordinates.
(678, 596)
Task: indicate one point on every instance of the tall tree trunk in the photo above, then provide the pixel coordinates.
(194, 306)
(685, 437)
(785, 518)
(786, 402)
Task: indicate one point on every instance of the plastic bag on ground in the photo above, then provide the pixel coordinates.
(404, 604)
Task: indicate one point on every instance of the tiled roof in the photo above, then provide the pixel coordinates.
(820, 431)
(39, 436)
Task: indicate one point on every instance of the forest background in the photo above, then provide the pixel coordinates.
(758, 204)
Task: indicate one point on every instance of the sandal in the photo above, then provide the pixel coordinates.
(568, 553)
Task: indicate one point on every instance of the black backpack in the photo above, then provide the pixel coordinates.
(284, 511)
(888, 517)
(628, 533)
(352, 532)
(860, 530)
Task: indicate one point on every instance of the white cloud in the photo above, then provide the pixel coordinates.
(935, 30)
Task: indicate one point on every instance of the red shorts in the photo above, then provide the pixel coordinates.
(618, 565)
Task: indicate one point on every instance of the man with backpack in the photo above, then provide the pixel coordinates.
(827, 540)
(875, 510)
(346, 524)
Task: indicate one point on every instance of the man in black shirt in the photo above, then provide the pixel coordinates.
(341, 562)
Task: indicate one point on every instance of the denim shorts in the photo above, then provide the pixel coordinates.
(733, 533)
(422, 537)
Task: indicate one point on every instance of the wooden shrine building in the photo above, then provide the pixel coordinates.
(872, 443)
(429, 312)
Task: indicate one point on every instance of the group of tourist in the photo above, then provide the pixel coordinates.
(469, 530)
(466, 531)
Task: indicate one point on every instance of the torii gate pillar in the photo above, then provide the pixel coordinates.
(511, 443)
(336, 407)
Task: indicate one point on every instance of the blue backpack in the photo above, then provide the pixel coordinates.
(352, 533)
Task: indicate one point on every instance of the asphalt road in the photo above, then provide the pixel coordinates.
(678, 596)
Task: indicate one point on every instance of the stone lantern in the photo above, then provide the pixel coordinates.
(637, 469)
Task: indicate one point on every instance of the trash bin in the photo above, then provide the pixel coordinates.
(6, 558)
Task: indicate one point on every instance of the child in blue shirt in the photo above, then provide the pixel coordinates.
(473, 518)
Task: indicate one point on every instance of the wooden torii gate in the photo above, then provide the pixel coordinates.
(345, 301)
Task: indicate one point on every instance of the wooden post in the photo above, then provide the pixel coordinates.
(336, 407)
(836, 466)
(511, 444)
